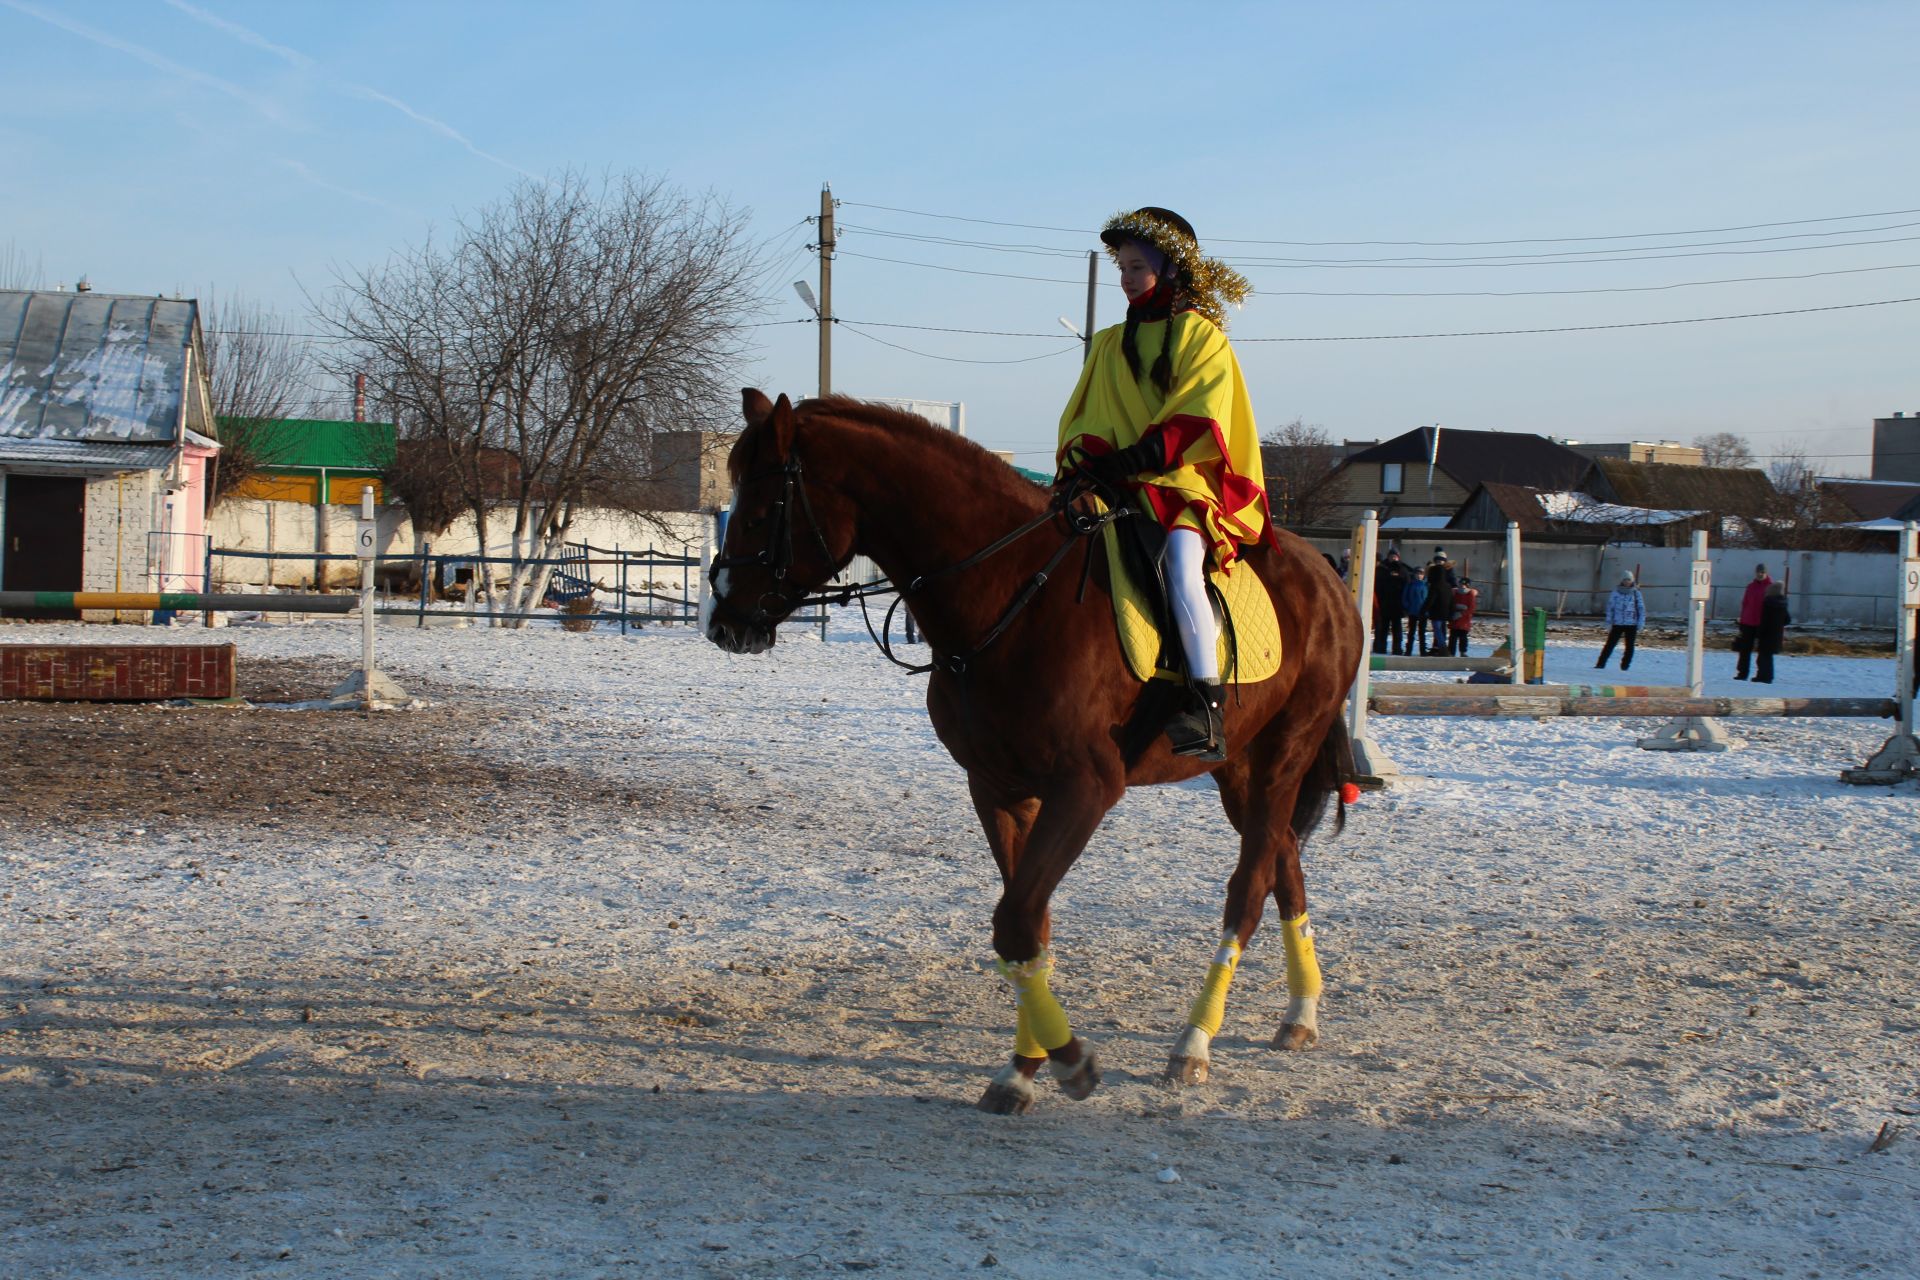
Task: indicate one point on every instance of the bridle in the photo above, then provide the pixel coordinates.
(777, 557)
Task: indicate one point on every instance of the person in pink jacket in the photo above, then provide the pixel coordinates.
(1750, 619)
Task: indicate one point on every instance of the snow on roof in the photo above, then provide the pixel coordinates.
(92, 367)
(1415, 522)
(1580, 508)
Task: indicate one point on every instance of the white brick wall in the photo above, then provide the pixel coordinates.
(120, 511)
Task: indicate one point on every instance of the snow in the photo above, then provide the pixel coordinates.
(1590, 1011)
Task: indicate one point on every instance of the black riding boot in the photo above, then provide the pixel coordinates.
(1199, 730)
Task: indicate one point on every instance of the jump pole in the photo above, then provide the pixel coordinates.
(1516, 646)
(1899, 759)
(1694, 733)
(1371, 764)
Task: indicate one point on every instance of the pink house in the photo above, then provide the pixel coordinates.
(106, 441)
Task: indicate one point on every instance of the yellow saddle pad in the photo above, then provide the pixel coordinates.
(1256, 628)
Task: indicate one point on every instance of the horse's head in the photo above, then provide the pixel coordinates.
(784, 537)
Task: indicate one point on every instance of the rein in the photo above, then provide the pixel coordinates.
(777, 555)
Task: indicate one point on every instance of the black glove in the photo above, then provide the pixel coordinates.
(1111, 470)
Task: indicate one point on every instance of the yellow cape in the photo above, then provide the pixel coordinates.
(1216, 484)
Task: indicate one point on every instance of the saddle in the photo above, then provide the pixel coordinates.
(1249, 627)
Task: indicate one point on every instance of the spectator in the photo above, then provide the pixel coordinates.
(1346, 563)
(1750, 619)
(1466, 599)
(1440, 584)
(1626, 614)
(1772, 630)
(1413, 603)
(1389, 585)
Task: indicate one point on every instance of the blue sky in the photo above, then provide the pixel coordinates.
(260, 148)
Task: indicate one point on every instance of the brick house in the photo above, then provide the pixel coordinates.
(106, 437)
(1391, 477)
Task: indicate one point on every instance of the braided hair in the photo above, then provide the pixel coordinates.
(1167, 299)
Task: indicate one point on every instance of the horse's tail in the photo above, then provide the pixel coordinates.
(1332, 767)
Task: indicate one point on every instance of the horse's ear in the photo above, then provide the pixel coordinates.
(755, 405)
(782, 417)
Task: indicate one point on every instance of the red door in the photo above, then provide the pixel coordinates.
(42, 538)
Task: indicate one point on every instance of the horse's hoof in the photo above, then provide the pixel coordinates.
(1080, 1078)
(1182, 1070)
(1294, 1035)
(1007, 1099)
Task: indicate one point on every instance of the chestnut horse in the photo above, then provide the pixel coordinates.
(1030, 692)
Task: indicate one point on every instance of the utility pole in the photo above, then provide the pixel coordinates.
(1093, 281)
(826, 289)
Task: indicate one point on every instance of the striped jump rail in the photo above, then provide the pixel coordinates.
(1543, 705)
(185, 601)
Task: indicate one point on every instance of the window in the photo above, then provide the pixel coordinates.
(1393, 477)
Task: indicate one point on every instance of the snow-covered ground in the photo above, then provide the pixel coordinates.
(1591, 1011)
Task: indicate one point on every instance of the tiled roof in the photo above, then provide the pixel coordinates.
(1475, 457)
(1735, 490)
(1876, 499)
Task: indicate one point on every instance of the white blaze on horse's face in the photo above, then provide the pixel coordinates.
(723, 579)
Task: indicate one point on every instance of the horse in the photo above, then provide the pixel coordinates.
(1030, 693)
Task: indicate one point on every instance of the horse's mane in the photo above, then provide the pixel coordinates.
(986, 473)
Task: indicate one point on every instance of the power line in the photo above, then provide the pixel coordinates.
(1543, 293)
(1434, 244)
(1620, 254)
(953, 359)
(1586, 328)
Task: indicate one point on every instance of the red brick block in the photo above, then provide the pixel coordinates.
(116, 672)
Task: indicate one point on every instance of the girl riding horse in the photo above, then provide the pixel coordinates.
(1161, 415)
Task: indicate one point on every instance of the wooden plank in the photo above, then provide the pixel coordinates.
(1417, 689)
(1435, 662)
(1521, 705)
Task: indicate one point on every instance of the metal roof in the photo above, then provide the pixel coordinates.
(93, 367)
(84, 455)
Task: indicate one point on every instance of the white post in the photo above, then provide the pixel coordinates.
(1694, 733)
(1516, 629)
(1369, 760)
(1699, 591)
(364, 545)
(1899, 759)
(370, 685)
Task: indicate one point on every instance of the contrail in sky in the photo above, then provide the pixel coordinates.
(303, 171)
(299, 59)
(152, 59)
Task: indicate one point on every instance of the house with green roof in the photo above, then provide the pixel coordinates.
(312, 460)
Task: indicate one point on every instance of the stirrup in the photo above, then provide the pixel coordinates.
(1200, 730)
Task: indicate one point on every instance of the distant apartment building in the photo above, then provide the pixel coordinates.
(1667, 451)
(1896, 448)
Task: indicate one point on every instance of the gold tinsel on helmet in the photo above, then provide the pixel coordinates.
(1209, 284)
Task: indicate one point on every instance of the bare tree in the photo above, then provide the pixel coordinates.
(17, 271)
(260, 370)
(531, 360)
(1299, 462)
(1802, 509)
(1723, 449)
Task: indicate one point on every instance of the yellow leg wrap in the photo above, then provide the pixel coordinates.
(1042, 1020)
(1210, 1006)
(1025, 1043)
(1303, 970)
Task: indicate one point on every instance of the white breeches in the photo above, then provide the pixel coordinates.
(1186, 561)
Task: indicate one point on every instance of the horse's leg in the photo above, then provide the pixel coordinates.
(1020, 929)
(1300, 1028)
(1247, 890)
(1008, 821)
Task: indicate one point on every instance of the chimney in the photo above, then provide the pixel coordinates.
(359, 397)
